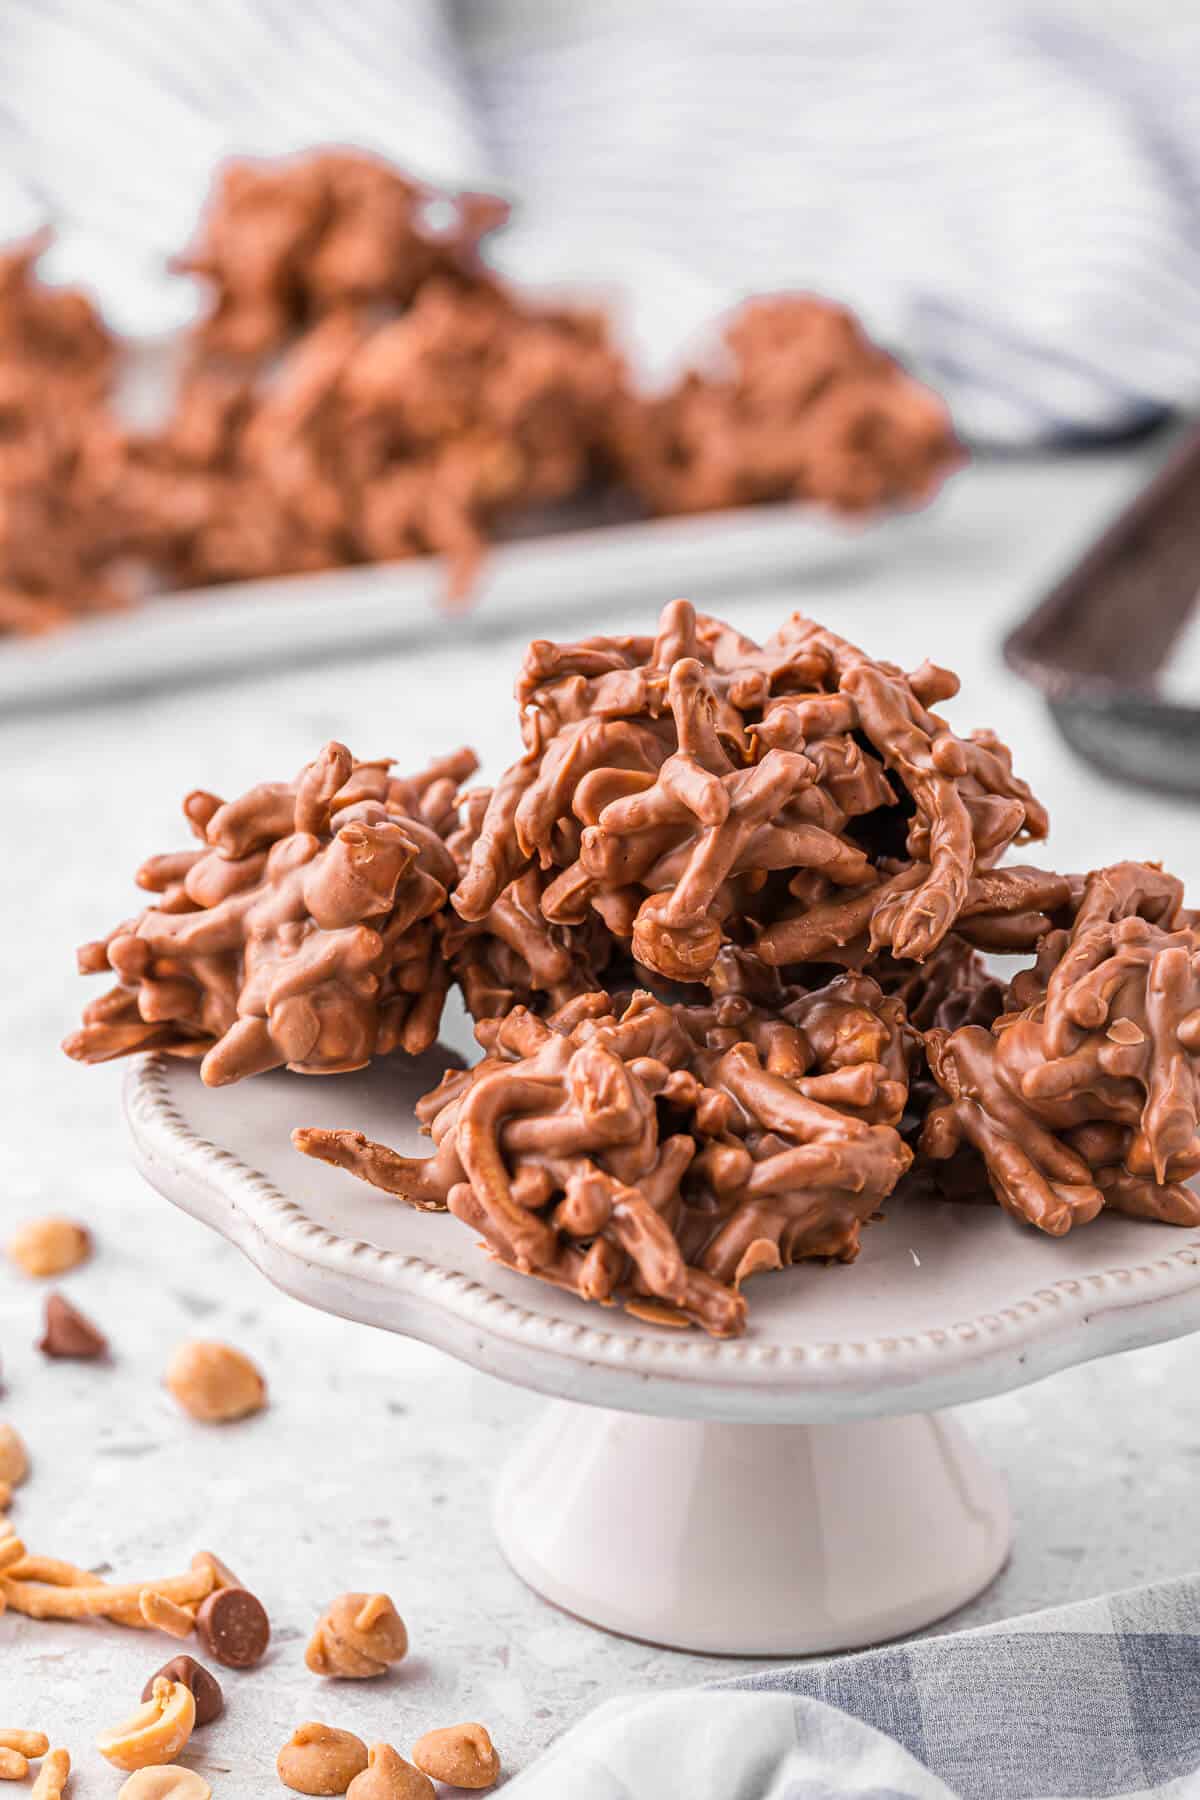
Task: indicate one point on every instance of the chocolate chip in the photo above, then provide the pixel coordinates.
(205, 1688)
(68, 1334)
(233, 1626)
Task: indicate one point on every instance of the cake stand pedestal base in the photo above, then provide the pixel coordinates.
(793, 1522)
(752, 1540)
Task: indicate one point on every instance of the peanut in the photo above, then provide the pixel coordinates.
(214, 1382)
(223, 1576)
(14, 1458)
(163, 1614)
(169, 1781)
(49, 1246)
(156, 1732)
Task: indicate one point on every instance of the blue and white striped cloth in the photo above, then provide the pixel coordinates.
(1008, 191)
(114, 115)
(1097, 1701)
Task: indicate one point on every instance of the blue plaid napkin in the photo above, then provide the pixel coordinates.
(1096, 1700)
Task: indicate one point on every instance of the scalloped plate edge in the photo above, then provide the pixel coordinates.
(1063, 1324)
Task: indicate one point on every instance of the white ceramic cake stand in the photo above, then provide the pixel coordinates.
(797, 1490)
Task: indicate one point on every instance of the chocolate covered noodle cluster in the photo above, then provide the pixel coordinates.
(513, 954)
(55, 330)
(361, 388)
(372, 440)
(303, 931)
(1088, 1095)
(60, 451)
(728, 931)
(664, 1154)
(799, 405)
(283, 243)
(694, 788)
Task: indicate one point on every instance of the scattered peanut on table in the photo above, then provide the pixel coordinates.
(156, 1732)
(215, 1383)
(49, 1246)
(169, 1781)
(14, 1457)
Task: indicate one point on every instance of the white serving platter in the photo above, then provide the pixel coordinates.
(546, 580)
(947, 1302)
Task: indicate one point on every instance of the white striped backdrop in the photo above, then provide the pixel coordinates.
(1010, 194)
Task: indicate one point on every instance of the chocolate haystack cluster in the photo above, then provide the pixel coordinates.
(283, 243)
(371, 440)
(303, 931)
(797, 798)
(665, 1153)
(60, 451)
(722, 928)
(1087, 1093)
(362, 389)
(798, 405)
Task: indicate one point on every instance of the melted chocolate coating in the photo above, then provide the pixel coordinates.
(514, 955)
(1089, 1094)
(377, 438)
(304, 931)
(801, 405)
(666, 1153)
(363, 388)
(285, 241)
(686, 783)
(61, 451)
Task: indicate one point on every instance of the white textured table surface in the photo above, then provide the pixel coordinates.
(373, 1466)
